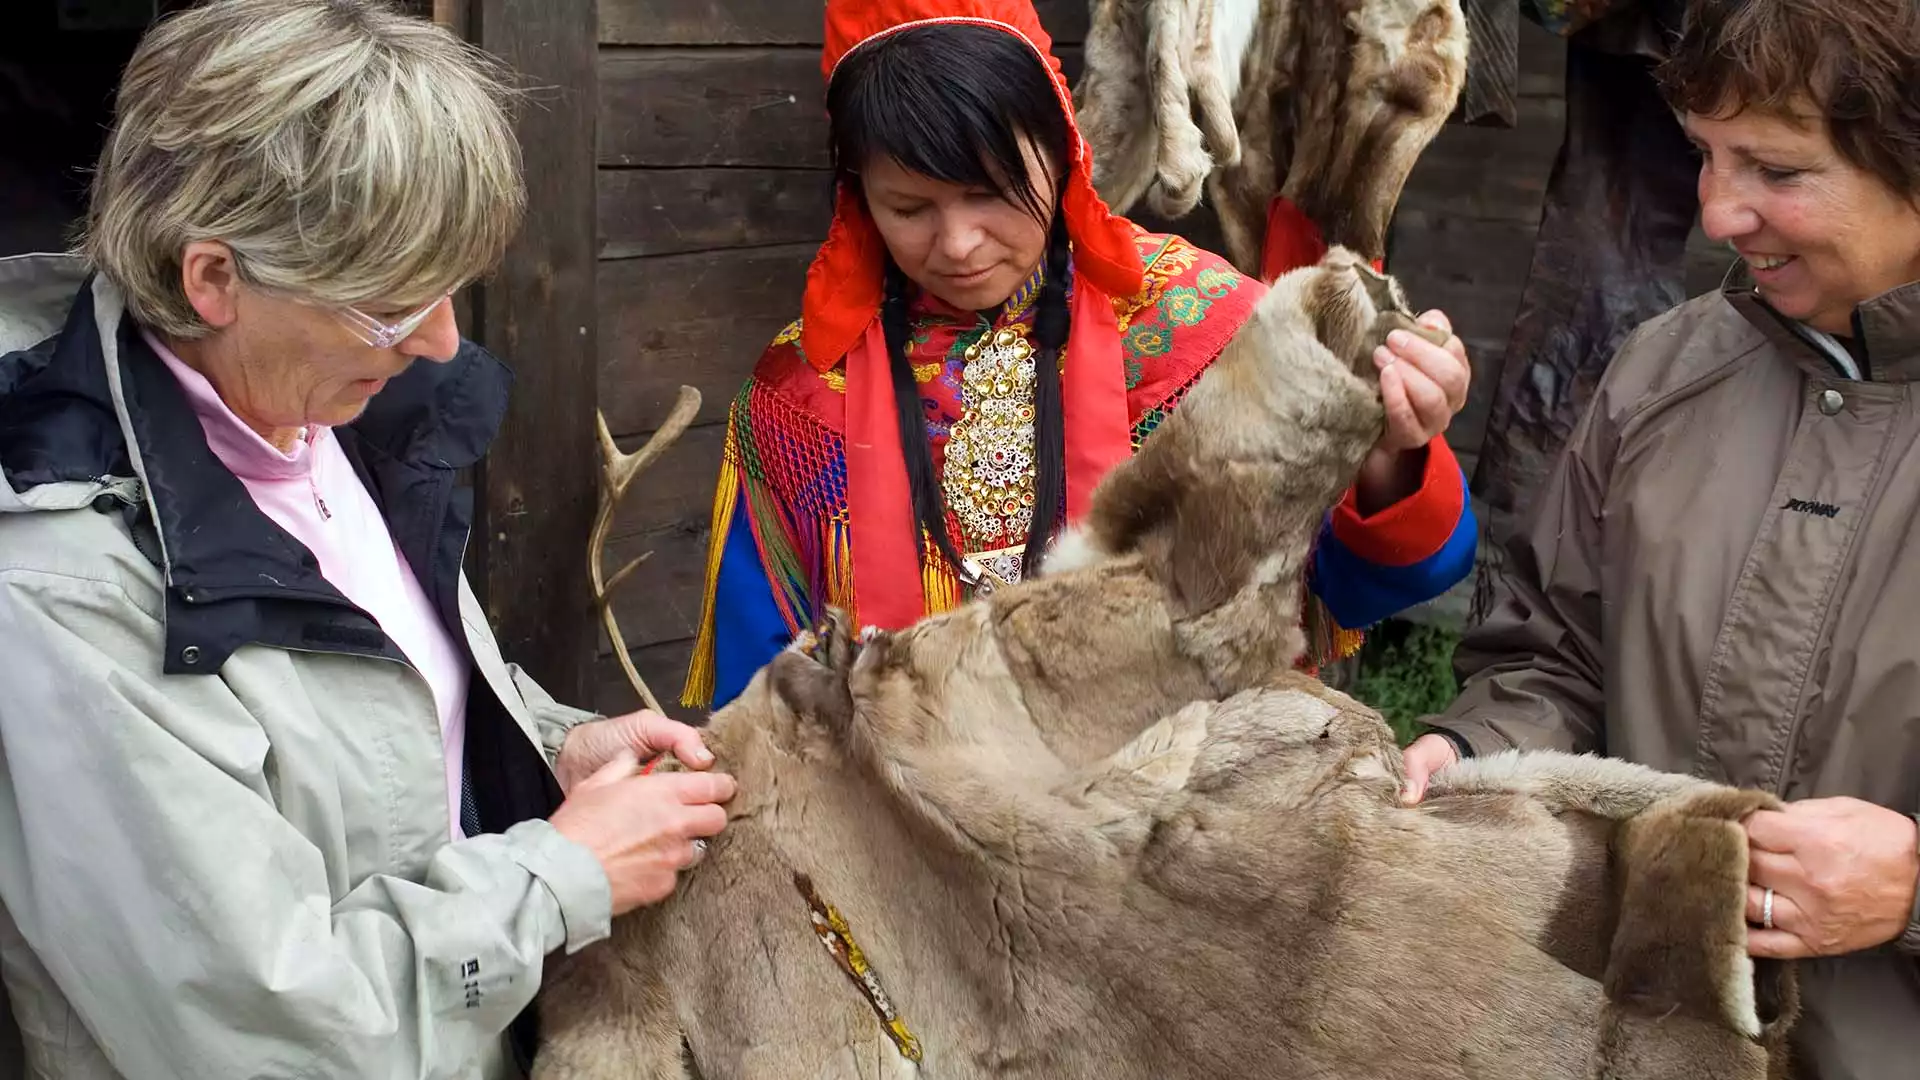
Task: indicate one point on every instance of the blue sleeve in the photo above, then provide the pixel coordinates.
(748, 629)
(1360, 592)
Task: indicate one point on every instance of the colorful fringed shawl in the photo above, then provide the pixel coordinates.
(784, 452)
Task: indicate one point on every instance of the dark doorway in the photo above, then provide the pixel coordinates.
(59, 63)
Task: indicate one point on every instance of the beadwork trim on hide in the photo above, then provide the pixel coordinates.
(832, 930)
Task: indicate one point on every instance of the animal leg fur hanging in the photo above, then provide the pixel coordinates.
(1094, 826)
(1332, 103)
(1157, 99)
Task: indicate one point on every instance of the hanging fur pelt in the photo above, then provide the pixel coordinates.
(1328, 102)
(1156, 101)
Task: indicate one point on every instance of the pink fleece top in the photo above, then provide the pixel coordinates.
(313, 493)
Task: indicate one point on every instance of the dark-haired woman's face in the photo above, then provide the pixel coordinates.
(1820, 234)
(968, 246)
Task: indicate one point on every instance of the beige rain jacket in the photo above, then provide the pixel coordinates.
(223, 826)
(1722, 577)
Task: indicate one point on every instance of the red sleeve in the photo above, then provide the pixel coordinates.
(1414, 528)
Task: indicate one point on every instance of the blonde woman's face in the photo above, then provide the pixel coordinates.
(1820, 234)
(281, 364)
(306, 367)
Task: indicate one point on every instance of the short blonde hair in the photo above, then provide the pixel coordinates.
(347, 153)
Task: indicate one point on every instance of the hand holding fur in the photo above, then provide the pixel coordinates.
(1843, 871)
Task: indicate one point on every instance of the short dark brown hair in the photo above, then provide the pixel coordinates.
(1857, 60)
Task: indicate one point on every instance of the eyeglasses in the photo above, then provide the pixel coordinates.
(384, 335)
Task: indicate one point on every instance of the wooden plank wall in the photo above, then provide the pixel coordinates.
(1463, 232)
(535, 498)
(1489, 97)
(713, 195)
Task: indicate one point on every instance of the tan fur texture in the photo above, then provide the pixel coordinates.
(1094, 827)
(1333, 103)
(1155, 102)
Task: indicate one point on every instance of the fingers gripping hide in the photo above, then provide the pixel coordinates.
(1395, 398)
(706, 820)
(1425, 396)
(697, 789)
(619, 767)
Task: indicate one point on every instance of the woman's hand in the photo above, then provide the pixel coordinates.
(643, 829)
(646, 733)
(1423, 757)
(1843, 874)
(1423, 386)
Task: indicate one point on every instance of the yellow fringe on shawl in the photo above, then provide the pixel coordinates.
(697, 692)
(938, 583)
(1328, 642)
(839, 567)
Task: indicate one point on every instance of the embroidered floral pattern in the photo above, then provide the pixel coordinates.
(1149, 319)
(1215, 283)
(1145, 340)
(1184, 306)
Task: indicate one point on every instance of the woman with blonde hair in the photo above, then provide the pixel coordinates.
(274, 804)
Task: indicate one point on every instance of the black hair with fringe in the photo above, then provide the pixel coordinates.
(953, 102)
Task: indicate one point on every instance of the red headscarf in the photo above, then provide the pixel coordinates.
(842, 307)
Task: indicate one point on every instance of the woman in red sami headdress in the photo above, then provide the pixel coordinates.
(917, 432)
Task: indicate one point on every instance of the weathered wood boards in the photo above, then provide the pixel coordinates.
(764, 22)
(536, 488)
(1490, 98)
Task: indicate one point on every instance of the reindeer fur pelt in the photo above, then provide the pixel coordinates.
(1331, 103)
(1094, 826)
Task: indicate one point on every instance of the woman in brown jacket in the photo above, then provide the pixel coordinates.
(1721, 574)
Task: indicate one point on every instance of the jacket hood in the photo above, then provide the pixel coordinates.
(90, 417)
(74, 424)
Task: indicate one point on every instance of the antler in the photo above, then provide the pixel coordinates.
(617, 471)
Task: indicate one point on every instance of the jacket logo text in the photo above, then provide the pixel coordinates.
(1808, 506)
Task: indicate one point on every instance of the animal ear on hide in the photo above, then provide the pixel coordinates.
(1139, 494)
(811, 675)
(1354, 307)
